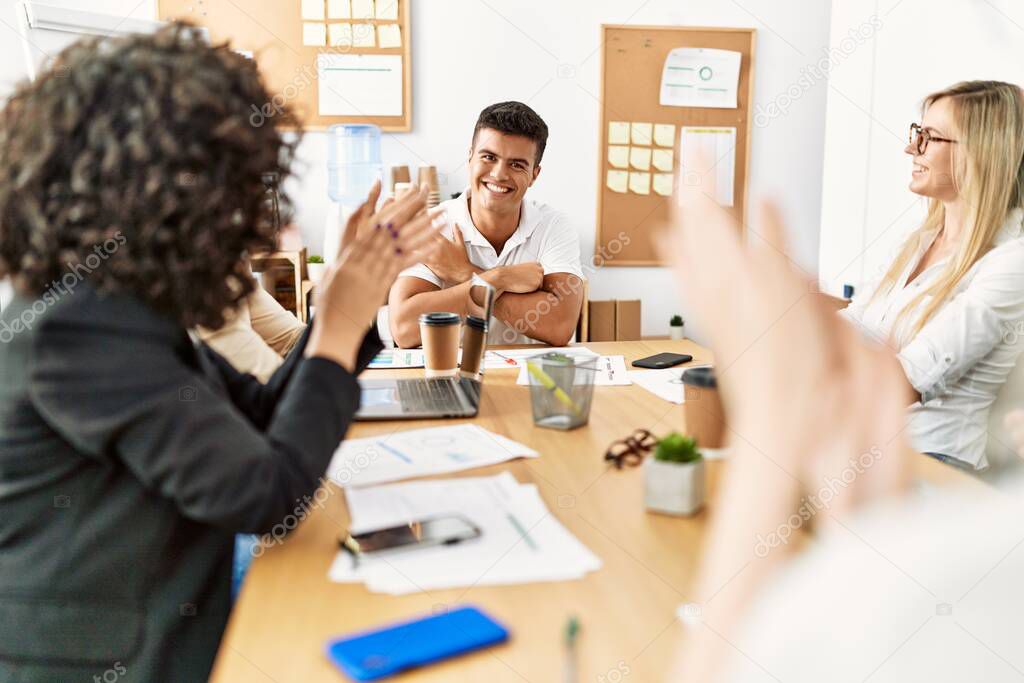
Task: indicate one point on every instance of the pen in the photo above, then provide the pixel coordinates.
(549, 384)
(514, 521)
(572, 632)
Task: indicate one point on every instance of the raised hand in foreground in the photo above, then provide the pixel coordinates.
(378, 245)
(808, 402)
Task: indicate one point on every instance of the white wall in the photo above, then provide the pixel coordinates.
(922, 46)
(470, 53)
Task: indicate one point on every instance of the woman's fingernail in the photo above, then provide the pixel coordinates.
(398, 250)
(377, 227)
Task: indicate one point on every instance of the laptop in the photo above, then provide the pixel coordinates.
(423, 398)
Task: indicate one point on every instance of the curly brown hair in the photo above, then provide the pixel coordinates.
(145, 140)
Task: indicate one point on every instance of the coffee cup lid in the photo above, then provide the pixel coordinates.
(439, 319)
(476, 323)
(700, 377)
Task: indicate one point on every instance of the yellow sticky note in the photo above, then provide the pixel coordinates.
(314, 34)
(362, 9)
(640, 133)
(640, 182)
(664, 134)
(363, 35)
(339, 9)
(640, 157)
(313, 10)
(387, 9)
(389, 35)
(618, 181)
(618, 156)
(618, 133)
(339, 35)
(662, 159)
(663, 184)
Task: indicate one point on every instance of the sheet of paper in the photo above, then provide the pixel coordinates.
(313, 10)
(640, 133)
(521, 540)
(397, 358)
(718, 147)
(618, 133)
(639, 182)
(339, 35)
(419, 453)
(505, 359)
(664, 134)
(611, 372)
(364, 35)
(640, 158)
(363, 9)
(662, 159)
(339, 9)
(389, 35)
(314, 35)
(665, 384)
(387, 10)
(360, 85)
(618, 181)
(661, 183)
(700, 77)
(618, 156)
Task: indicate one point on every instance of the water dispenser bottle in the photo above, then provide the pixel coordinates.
(353, 162)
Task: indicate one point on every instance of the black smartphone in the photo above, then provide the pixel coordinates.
(659, 361)
(425, 533)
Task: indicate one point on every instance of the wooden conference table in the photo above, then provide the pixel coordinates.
(288, 609)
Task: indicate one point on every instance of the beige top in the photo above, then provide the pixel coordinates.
(257, 336)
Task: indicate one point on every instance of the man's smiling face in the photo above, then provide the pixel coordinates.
(501, 168)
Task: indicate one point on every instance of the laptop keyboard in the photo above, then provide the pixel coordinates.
(420, 395)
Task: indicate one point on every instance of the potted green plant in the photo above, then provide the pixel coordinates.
(674, 477)
(316, 268)
(675, 327)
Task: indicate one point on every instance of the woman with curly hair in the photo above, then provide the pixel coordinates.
(130, 191)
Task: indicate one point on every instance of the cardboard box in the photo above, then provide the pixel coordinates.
(615, 320)
(602, 321)
(627, 320)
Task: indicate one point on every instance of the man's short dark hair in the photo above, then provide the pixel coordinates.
(514, 118)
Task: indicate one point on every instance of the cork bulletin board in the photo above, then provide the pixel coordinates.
(287, 39)
(632, 62)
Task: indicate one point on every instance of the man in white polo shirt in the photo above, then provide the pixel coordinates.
(527, 250)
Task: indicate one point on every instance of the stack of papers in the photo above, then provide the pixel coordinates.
(420, 452)
(521, 541)
(611, 372)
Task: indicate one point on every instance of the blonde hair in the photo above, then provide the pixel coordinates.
(988, 174)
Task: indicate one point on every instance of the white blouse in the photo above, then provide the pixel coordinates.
(959, 360)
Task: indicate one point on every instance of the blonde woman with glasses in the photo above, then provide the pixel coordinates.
(956, 284)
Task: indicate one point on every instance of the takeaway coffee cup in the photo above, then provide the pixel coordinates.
(440, 335)
(705, 419)
(473, 336)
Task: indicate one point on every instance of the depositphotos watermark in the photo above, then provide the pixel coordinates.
(528, 322)
(77, 272)
(815, 503)
(304, 506)
(814, 73)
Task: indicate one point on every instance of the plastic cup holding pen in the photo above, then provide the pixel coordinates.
(561, 389)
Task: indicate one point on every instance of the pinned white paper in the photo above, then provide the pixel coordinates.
(618, 133)
(387, 10)
(363, 9)
(664, 134)
(640, 183)
(640, 133)
(364, 35)
(640, 158)
(389, 35)
(313, 10)
(618, 181)
(618, 156)
(718, 147)
(360, 85)
(314, 35)
(700, 77)
(339, 35)
(339, 9)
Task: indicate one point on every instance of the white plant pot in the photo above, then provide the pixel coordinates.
(316, 272)
(674, 488)
(675, 332)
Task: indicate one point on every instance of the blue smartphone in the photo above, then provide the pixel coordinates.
(380, 653)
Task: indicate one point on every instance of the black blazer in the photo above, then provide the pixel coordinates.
(129, 459)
